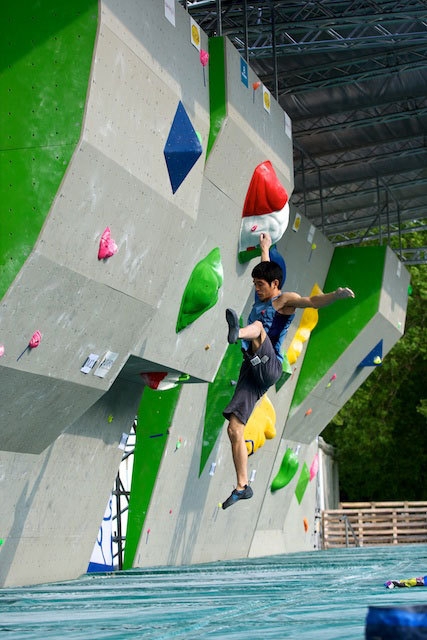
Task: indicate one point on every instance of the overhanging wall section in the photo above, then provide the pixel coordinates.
(332, 369)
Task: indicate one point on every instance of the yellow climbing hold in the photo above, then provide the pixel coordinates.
(261, 425)
(309, 319)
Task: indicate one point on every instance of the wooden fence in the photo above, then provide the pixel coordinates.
(366, 524)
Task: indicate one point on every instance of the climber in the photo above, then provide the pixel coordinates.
(262, 339)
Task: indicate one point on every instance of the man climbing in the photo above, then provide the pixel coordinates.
(262, 339)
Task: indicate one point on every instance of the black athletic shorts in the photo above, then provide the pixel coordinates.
(258, 372)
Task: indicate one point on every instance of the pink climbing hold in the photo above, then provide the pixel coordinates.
(35, 340)
(314, 468)
(1, 350)
(254, 228)
(308, 412)
(33, 343)
(331, 379)
(107, 246)
(204, 57)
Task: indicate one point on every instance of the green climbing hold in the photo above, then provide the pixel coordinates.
(201, 292)
(302, 483)
(287, 470)
(220, 392)
(286, 373)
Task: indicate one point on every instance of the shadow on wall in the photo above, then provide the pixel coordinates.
(38, 27)
(186, 532)
(22, 509)
(111, 415)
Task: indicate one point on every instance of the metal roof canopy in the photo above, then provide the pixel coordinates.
(352, 75)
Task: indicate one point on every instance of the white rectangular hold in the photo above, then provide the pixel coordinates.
(89, 363)
(106, 363)
(170, 11)
(123, 441)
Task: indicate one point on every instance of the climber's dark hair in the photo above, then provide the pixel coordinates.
(269, 271)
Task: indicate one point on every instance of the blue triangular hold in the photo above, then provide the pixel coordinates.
(182, 148)
(374, 357)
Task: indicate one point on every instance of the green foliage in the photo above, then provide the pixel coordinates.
(380, 435)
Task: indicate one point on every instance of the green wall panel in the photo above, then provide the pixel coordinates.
(361, 269)
(217, 89)
(220, 392)
(45, 56)
(155, 414)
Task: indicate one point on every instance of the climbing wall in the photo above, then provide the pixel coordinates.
(184, 522)
(136, 193)
(337, 354)
(46, 59)
(94, 313)
(364, 334)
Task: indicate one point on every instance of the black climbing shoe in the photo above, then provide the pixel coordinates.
(233, 325)
(244, 494)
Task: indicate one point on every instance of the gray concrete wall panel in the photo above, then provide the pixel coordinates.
(130, 112)
(218, 227)
(75, 315)
(394, 292)
(58, 498)
(148, 231)
(249, 135)
(42, 408)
